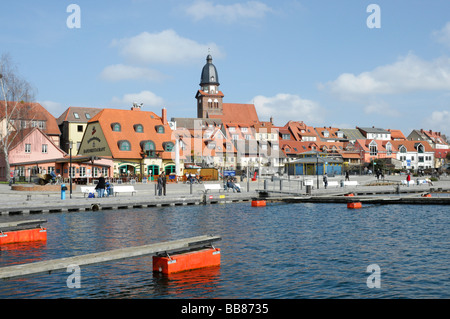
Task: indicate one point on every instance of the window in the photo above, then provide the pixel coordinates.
(160, 129)
(388, 149)
(248, 137)
(27, 148)
(88, 116)
(402, 149)
(79, 128)
(326, 134)
(124, 146)
(116, 127)
(44, 148)
(244, 129)
(72, 171)
(420, 159)
(168, 146)
(82, 171)
(42, 125)
(105, 171)
(234, 137)
(232, 129)
(138, 128)
(76, 115)
(420, 148)
(149, 148)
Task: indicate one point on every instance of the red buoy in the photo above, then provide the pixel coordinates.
(354, 205)
(258, 203)
(187, 261)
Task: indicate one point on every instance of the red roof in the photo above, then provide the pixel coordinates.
(238, 113)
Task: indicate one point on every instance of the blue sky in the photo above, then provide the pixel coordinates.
(312, 61)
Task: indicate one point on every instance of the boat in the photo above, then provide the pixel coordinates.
(23, 231)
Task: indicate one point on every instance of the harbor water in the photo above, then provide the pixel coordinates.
(281, 251)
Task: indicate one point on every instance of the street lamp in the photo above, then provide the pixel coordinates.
(70, 166)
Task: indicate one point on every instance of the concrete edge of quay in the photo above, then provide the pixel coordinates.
(24, 202)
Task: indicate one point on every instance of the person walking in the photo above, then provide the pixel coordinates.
(408, 178)
(160, 185)
(325, 180)
(347, 178)
(100, 187)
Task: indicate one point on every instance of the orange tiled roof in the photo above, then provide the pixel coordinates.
(127, 120)
(238, 113)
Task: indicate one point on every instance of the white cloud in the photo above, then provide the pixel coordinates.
(149, 99)
(286, 107)
(443, 36)
(381, 108)
(55, 108)
(439, 121)
(202, 9)
(164, 47)
(408, 74)
(119, 72)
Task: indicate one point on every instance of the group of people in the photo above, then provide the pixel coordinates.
(230, 183)
(103, 187)
(193, 179)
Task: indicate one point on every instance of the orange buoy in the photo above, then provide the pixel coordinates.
(187, 261)
(258, 203)
(350, 194)
(354, 205)
(19, 236)
(426, 195)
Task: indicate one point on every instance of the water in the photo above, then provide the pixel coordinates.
(282, 251)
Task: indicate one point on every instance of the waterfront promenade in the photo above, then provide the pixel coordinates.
(12, 201)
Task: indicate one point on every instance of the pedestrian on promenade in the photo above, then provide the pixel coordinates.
(408, 178)
(325, 180)
(100, 187)
(160, 185)
(347, 178)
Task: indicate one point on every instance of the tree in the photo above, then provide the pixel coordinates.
(15, 92)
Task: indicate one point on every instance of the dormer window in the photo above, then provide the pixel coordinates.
(168, 146)
(76, 115)
(116, 127)
(138, 128)
(124, 145)
(159, 129)
(148, 147)
(326, 134)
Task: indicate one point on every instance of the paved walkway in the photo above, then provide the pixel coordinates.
(9, 197)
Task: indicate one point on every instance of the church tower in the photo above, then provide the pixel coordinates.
(209, 98)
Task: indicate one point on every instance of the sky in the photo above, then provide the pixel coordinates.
(339, 63)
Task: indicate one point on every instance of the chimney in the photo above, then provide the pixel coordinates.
(164, 116)
(136, 107)
(271, 120)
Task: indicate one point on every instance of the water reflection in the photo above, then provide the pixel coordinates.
(277, 251)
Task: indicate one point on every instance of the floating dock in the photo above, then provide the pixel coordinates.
(169, 247)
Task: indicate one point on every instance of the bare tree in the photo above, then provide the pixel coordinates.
(15, 91)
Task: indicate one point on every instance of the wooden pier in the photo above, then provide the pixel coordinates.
(174, 246)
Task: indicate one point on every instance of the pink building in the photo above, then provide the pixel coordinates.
(33, 152)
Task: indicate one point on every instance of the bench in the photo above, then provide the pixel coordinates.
(332, 183)
(87, 189)
(350, 183)
(211, 187)
(124, 189)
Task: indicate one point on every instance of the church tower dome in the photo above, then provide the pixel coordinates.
(209, 73)
(209, 98)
